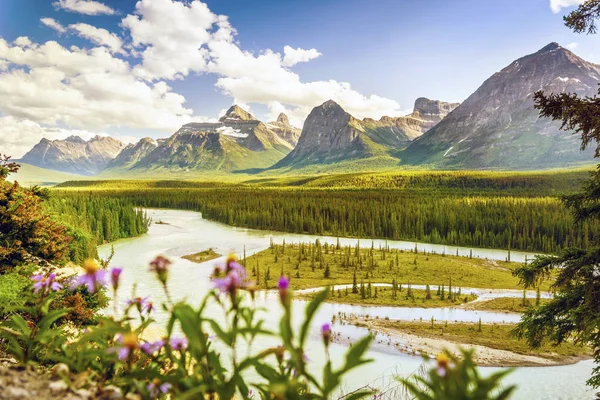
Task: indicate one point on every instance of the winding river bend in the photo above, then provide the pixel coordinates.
(186, 232)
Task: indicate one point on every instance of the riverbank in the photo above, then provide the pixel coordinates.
(493, 343)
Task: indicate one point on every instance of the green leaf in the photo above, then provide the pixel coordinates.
(311, 309)
(51, 318)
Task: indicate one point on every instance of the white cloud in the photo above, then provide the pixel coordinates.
(557, 5)
(87, 7)
(294, 56)
(81, 88)
(572, 46)
(54, 24)
(170, 36)
(178, 38)
(99, 36)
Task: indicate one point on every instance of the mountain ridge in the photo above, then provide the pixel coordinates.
(498, 126)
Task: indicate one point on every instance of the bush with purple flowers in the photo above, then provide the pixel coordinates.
(199, 356)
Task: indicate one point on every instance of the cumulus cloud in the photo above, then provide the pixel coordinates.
(54, 24)
(87, 7)
(98, 36)
(294, 56)
(557, 5)
(175, 39)
(82, 88)
(170, 36)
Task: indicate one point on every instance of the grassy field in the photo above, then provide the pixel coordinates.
(536, 183)
(386, 296)
(507, 304)
(495, 336)
(314, 264)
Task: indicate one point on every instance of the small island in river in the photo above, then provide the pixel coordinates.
(203, 256)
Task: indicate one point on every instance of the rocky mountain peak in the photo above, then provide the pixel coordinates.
(75, 139)
(283, 119)
(550, 47)
(425, 106)
(236, 112)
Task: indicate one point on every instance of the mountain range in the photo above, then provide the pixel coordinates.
(74, 155)
(496, 127)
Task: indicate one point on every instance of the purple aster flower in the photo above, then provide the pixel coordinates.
(115, 274)
(178, 344)
(156, 388)
(152, 347)
(142, 304)
(45, 283)
(94, 277)
(127, 343)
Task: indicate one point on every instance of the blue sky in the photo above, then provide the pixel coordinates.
(389, 51)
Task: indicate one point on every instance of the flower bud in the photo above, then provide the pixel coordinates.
(115, 274)
(326, 333)
(283, 285)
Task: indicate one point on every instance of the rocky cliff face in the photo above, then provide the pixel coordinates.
(74, 155)
(285, 130)
(498, 126)
(398, 132)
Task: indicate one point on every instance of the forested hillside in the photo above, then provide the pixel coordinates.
(94, 220)
(478, 220)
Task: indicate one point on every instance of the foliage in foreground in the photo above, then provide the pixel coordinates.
(457, 378)
(206, 360)
(27, 233)
(200, 356)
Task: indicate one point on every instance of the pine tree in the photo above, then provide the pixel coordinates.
(427, 293)
(354, 284)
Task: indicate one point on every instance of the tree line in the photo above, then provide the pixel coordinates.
(524, 223)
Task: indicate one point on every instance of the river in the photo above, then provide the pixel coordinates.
(186, 232)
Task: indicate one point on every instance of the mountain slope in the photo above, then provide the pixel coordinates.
(498, 126)
(398, 132)
(238, 141)
(29, 175)
(133, 153)
(331, 135)
(74, 155)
